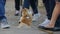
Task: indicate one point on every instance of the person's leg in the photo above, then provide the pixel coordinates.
(5, 2)
(55, 15)
(36, 1)
(46, 4)
(51, 8)
(34, 6)
(3, 18)
(17, 7)
(35, 10)
(52, 25)
(26, 4)
(49, 5)
(21, 2)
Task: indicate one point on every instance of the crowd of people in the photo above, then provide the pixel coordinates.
(52, 10)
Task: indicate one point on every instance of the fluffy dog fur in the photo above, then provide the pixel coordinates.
(26, 18)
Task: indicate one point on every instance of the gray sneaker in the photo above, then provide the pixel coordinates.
(4, 24)
(47, 21)
(36, 16)
(17, 13)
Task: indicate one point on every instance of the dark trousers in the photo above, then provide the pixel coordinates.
(21, 2)
(17, 5)
(49, 5)
(27, 3)
(36, 2)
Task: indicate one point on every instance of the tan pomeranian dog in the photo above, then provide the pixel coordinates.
(26, 18)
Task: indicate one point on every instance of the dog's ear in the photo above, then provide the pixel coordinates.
(24, 10)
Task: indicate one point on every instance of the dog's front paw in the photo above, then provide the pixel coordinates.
(19, 22)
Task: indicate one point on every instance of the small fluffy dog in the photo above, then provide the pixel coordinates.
(26, 18)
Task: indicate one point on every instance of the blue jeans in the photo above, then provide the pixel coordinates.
(27, 3)
(2, 9)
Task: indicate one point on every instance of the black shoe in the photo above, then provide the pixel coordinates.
(56, 29)
(6, 28)
(50, 29)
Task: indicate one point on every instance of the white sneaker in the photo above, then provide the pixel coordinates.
(36, 16)
(45, 22)
(4, 26)
(17, 13)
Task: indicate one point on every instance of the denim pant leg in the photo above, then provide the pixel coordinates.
(2, 9)
(26, 4)
(34, 6)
